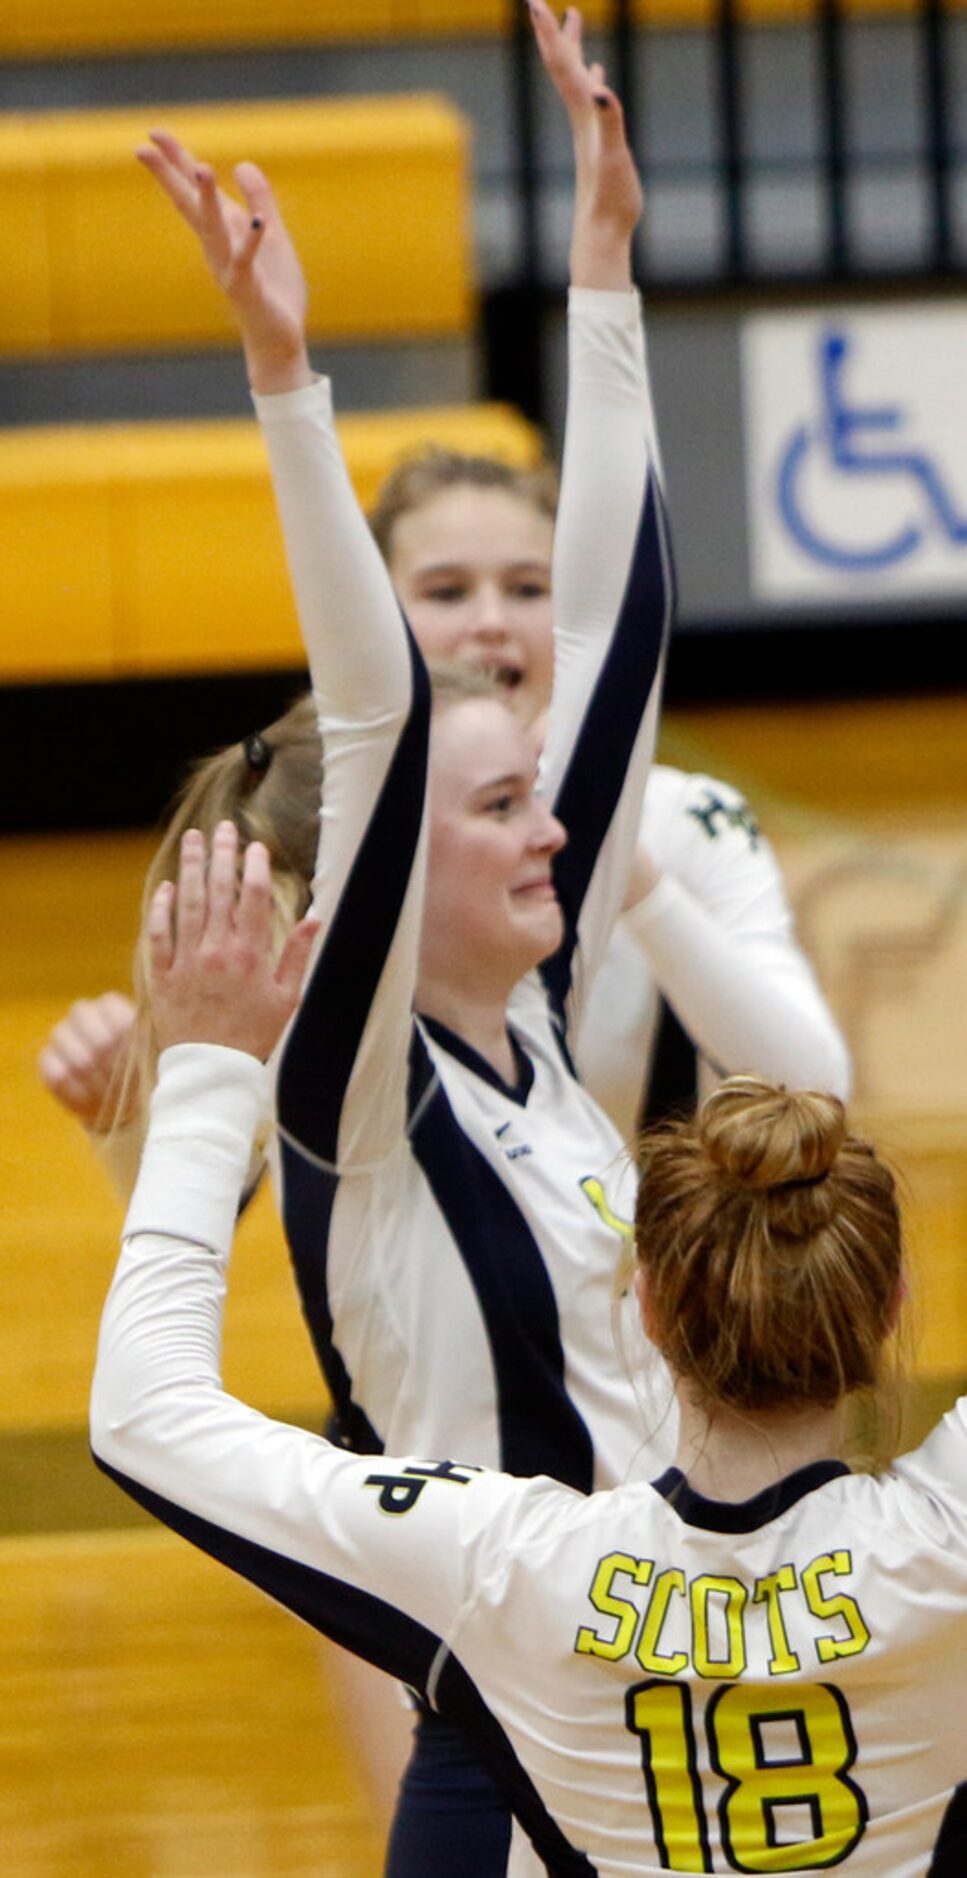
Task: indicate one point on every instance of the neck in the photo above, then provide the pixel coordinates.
(732, 1456)
(480, 1021)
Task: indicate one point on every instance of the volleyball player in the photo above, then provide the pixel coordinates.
(756, 1661)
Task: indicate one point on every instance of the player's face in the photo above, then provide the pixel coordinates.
(491, 911)
(472, 568)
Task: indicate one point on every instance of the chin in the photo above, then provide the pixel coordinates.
(548, 933)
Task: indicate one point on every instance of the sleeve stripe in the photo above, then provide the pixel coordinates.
(318, 1058)
(591, 788)
(361, 1622)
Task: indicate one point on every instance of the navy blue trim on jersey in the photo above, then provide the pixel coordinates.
(322, 1046)
(671, 1085)
(744, 1515)
(309, 1195)
(472, 1059)
(950, 1852)
(321, 1050)
(591, 787)
(451, 1815)
(541, 1430)
(358, 1620)
(457, 1697)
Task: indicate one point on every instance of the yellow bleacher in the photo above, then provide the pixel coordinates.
(65, 28)
(140, 549)
(375, 190)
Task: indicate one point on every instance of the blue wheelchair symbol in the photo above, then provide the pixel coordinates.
(838, 435)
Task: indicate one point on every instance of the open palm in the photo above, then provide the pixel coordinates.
(608, 187)
(246, 245)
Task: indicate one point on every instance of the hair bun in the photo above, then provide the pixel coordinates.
(761, 1135)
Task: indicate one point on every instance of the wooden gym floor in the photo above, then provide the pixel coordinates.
(161, 1720)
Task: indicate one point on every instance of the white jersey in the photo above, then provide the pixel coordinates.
(456, 1240)
(659, 1682)
(716, 940)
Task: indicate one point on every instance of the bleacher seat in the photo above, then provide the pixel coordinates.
(135, 550)
(376, 191)
(65, 28)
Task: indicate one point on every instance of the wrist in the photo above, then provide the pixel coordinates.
(274, 370)
(601, 257)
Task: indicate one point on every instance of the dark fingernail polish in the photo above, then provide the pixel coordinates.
(256, 221)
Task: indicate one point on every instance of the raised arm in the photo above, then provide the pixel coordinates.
(368, 682)
(338, 1539)
(612, 568)
(718, 932)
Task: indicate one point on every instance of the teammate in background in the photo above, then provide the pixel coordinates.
(755, 1662)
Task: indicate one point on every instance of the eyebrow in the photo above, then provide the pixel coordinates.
(459, 567)
(515, 778)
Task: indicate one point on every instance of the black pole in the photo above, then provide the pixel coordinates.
(727, 40)
(833, 106)
(933, 22)
(513, 314)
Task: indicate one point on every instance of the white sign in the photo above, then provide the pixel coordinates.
(856, 451)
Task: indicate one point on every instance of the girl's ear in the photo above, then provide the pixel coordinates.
(899, 1300)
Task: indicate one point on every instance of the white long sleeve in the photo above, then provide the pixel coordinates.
(717, 939)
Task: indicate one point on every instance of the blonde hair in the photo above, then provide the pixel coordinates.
(434, 470)
(771, 1243)
(270, 786)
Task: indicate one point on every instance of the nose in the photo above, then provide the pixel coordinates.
(550, 835)
(490, 622)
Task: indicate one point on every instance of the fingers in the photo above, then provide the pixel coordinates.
(222, 883)
(191, 895)
(257, 191)
(159, 930)
(572, 31)
(562, 51)
(212, 223)
(180, 160)
(253, 918)
(291, 968)
(81, 1061)
(174, 168)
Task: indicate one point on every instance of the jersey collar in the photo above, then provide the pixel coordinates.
(744, 1515)
(471, 1059)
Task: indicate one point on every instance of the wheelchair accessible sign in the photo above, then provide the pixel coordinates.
(856, 452)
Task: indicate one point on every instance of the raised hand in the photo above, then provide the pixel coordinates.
(84, 1060)
(250, 256)
(608, 199)
(213, 978)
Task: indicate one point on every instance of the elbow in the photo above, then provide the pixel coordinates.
(826, 1067)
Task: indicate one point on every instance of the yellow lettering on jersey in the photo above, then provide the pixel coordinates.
(594, 1189)
(836, 1605)
(648, 1653)
(736, 1596)
(768, 1591)
(591, 1642)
